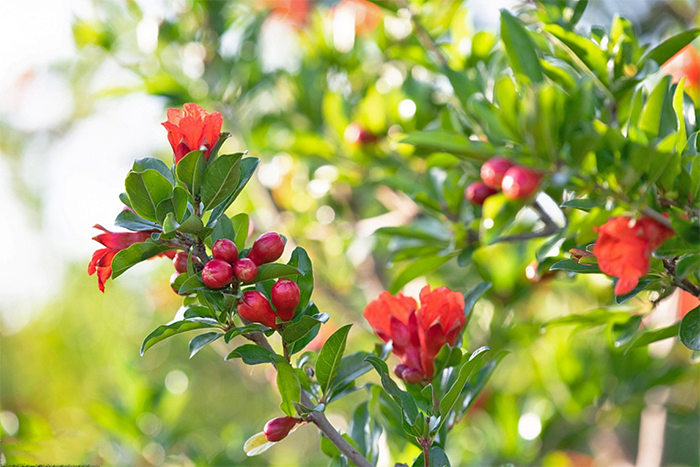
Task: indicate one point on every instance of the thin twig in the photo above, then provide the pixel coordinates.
(423, 36)
(318, 418)
(684, 284)
(550, 228)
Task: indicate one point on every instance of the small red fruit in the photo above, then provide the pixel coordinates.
(520, 183)
(278, 428)
(355, 134)
(477, 192)
(254, 307)
(285, 296)
(180, 261)
(245, 270)
(493, 170)
(217, 274)
(267, 248)
(225, 250)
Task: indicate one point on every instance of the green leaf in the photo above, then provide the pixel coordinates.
(670, 47)
(298, 329)
(178, 327)
(134, 254)
(300, 260)
(412, 232)
(687, 265)
(190, 171)
(350, 368)
(418, 268)
(465, 371)
(253, 327)
(252, 354)
(330, 356)
(192, 225)
(240, 223)
(152, 163)
(585, 50)
(201, 341)
(365, 431)
(146, 190)
(689, 331)
(643, 284)
(579, 9)
(623, 333)
(520, 49)
(176, 204)
(473, 295)
(289, 387)
(220, 180)
(273, 271)
(198, 311)
(597, 317)
(451, 143)
(404, 399)
(584, 204)
(436, 456)
(247, 167)
(192, 284)
(569, 265)
(497, 215)
(650, 121)
(643, 339)
(223, 229)
(128, 219)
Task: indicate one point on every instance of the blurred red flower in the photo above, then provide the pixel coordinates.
(685, 64)
(114, 242)
(418, 333)
(624, 248)
(191, 128)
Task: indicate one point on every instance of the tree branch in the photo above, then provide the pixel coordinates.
(318, 418)
(550, 228)
(423, 36)
(683, 284)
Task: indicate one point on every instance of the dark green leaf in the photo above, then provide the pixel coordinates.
(572, 266)
(192, 284)
(650, 121)
(473, 295)
(135, 254)
(254, 327)
(192, 225)
(201, 341)
(689, 331)
(190, 171)
(300, 260)
(178, 327)
(298, 329)
(273, 271)
(330, 356)
(247, 168)
(520, 49)
(222, 229)
(240, 223)
(670, 47)
(128, 219)
(404, 399)
(176, 204)
(146, 190)
(158, 165)
(643, 284)
(688, 265)
(579, 9)
(645, 338)
(365, 431)
(465, 371)
(584, 204)
(350, 368)
(252, 354)
(220, 180)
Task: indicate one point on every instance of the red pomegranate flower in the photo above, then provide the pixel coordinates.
(191, 128)
(624, 248)
(114, 242)
(418, 333)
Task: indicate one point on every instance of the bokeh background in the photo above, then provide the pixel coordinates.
(83, 88)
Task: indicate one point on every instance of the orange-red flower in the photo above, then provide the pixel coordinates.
(114, 242)
(624, 248)
(686, 64)
(418, 333)
(191, 129)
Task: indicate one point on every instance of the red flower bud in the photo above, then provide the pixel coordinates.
(217, 274)
(180, 261)
(245, 270)
(493, 170)
(477, 192)
(520, 183)
(285, 296)
(278, 428)
(225, 250)
(254, 307)
(577, 254)
(267, 248)
(408, 374)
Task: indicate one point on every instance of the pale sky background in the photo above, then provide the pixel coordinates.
(80, 173)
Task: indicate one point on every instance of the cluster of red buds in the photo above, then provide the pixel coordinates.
(500, 174)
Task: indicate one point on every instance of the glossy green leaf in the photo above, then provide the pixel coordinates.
(350, 368)
(298, 329)
(247, 169)
(172, 329)
(134, 254)
(222, 229)
(190, 171)
(289, 387)
(689, 264)
(569, 265)
(520, 49)
(152, 163)
(584, 204)
(237, 331)
(404, 399)
(300, 260)
(201, 341)
(273, 271)
(330, 356)
(670, 47)
(252, 354)
(473, 295)
(128, 219)
(240, 223)
(585, 49)
(650, 120)
(365, 431)
(146, 190)
(175, 204)
(220, 180)
(192, 284)
(643, 339)
(689, 331)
